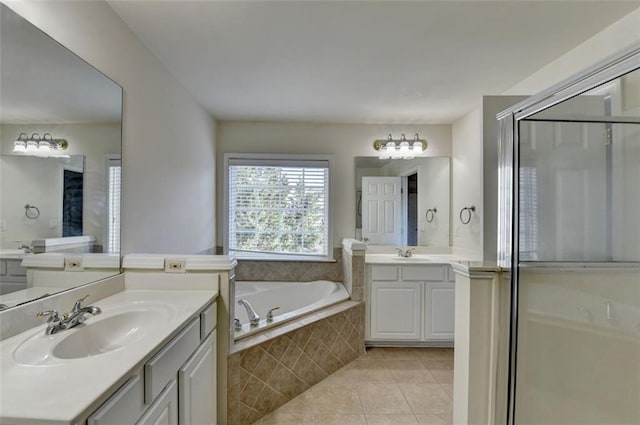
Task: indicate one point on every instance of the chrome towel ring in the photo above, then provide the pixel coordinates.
(469, 210)
(31, 211)
(428, 217)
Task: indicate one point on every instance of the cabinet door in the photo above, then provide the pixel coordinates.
(396, 310)
(164, 410)
(197, 386)
(439, 311)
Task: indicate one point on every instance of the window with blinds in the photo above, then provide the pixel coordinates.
(114, 192)
(278, 207)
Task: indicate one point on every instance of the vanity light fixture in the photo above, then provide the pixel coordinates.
(400, 148)
(37, 146)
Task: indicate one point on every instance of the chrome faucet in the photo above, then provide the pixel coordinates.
(405, 253)
(69, 320)
(254, 319)
(27, 249)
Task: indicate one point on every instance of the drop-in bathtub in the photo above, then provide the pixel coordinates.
(294, 299)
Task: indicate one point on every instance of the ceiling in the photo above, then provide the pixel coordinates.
(359, 62)
(43, 82)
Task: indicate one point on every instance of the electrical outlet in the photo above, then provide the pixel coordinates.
(73, 265)
(175, 266)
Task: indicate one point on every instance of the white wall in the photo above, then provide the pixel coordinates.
(467, 182)
(94, 141)
(168, 139)
(612, 39)
(344, 141)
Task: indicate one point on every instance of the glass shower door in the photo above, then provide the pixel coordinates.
(577, 353)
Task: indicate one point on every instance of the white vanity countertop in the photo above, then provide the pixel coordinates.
(57, 392)
(415, 259)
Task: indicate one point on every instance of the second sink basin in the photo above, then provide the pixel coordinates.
(98, 335)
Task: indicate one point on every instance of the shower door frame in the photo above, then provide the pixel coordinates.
(614, 66)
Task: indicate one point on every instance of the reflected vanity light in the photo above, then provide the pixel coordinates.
(37, 146)
(400, 148)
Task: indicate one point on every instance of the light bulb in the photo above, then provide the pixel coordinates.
(32, 146)
(19, 146)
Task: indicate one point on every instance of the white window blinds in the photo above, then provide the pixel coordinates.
(278, 207)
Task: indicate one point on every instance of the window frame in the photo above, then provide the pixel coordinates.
(270, 158)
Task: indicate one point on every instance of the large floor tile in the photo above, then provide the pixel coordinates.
(382, 399)
(432, 420)
(427, 398)
(410, 376)
(336, 400)
(391, 420)
(339, 420)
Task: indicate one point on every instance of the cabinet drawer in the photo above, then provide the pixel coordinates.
(208, 320)
(164, 366)
(420, 273)
(384, 273)
(124, 407)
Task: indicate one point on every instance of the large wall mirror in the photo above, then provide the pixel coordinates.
(403, 202)
(60, 153)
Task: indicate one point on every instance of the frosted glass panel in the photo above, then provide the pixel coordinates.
(578, 346)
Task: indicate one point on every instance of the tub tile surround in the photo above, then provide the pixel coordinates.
(265, 376)
(291, 271)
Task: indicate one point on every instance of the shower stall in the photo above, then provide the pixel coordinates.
(569, 240)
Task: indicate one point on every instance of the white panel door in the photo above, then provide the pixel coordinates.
(381, 206)
(439, 311)
(197, 386)
(396, 311)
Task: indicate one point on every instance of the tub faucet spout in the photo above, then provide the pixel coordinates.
(254, 319)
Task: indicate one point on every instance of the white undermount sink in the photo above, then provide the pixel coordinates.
(104, 333)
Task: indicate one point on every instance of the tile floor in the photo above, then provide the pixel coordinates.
(386, 386)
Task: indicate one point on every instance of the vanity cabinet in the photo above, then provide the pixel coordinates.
(410, 303)
(176, 385)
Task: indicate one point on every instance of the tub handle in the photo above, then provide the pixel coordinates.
(236, 324)
(270, 314)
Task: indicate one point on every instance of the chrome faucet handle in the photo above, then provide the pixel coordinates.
(236, 324)
(270, 314)
(409, 252)
(53, 315)
(78, 304)
(400, 252)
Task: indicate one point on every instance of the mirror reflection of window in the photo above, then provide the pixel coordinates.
(114, 179)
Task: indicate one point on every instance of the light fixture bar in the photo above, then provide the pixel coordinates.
(400, 148)
(39, 146)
